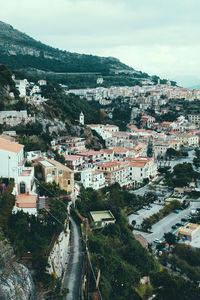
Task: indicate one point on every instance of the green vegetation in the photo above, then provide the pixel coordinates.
(33, 143)
(122, 260)
(185, 260)
(34, 235)
(121, 113)
(182, 175)
(6, 81)
(167, 286)
(7, 201)
(196, 160)
(175, 153)
(113, 198)
(68, 107)
(50, 190)
(113, 249)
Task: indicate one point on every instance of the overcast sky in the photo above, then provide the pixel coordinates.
(155, 36)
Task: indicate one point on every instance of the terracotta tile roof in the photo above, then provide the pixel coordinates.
(26, 201)
(10, 146)
(109, 164)
(166, 123)
(93, 125)
(7, 137)
(71, 157)
(139, 164)
(89, 153)
(119, 149)
(108, 151)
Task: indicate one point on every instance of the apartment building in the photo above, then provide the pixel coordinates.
(12, 166)
(194, 118)
(74, 162)
(91, 178)
(62, 175)
(142, 168)
(115, 172)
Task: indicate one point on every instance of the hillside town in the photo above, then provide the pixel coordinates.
(136, 157)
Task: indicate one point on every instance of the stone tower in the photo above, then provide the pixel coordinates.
(81, 118)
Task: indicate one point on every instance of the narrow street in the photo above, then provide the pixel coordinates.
(72, 280)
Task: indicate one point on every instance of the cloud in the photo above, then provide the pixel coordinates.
(153, 35)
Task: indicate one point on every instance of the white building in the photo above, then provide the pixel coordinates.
(11, 157)
(91, 178)
(105, 131)
(142, 168)
(115, 172)
(12, 166)
(74, 161)
(21, 86)
(42, 82)
(35, 90)
(81, 118)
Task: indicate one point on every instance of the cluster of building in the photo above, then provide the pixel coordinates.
(125, 159)
(148, 92)
(30, 90)
(12, 161)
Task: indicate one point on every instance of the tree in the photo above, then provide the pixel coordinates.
(170, 238)
(172, 152)
(146, 224)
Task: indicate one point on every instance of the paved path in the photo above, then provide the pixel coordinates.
(72, 280)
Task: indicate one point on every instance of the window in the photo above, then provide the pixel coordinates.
(60, 172)
(22, 188)
(53, 172)
(68, 182)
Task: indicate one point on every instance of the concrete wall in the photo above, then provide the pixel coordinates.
(59, 254)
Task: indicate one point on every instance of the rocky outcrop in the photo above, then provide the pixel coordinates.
(15, 279)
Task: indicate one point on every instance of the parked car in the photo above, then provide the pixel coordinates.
(157, 241)
(184, 220)
(173, 226)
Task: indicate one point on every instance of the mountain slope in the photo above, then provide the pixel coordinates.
(15, 43)
(21, 52)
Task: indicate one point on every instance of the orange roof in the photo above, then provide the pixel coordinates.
(26, 201)
(166, 123)
(10, 146)
(109, 164)
(93, 125)
(71, 157)
(108, 151)
(119, 149)
(139, 164)
(7, 137)
(133, 150)
(89, 153)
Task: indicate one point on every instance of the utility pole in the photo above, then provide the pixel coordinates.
(8, 167)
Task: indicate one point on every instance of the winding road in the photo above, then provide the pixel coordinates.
(72, 280)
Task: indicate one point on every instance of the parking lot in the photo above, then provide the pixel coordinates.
(165, 225)
(145, 213)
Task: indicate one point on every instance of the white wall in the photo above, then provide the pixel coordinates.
(59, 254)
(9, 163)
